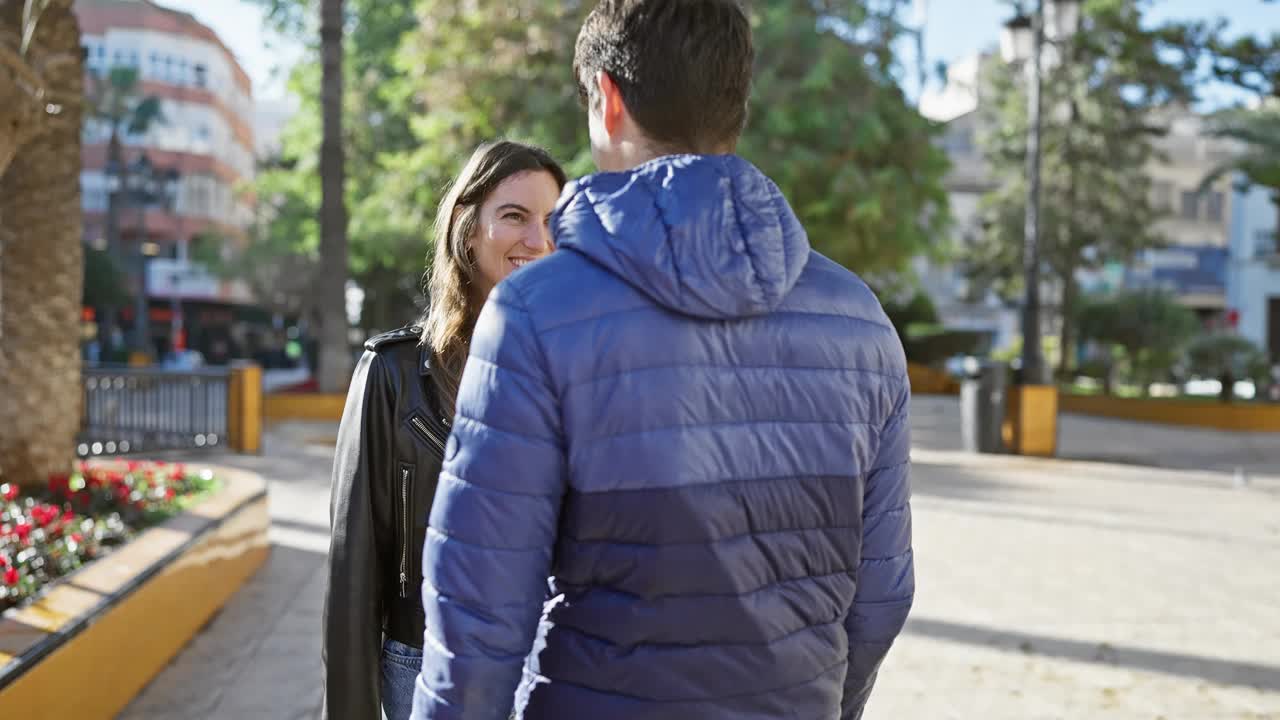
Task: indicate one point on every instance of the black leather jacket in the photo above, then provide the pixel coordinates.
(389, 450)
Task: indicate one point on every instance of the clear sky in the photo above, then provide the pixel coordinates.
(955, 28)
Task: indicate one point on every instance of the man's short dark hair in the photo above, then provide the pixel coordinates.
(683, 68)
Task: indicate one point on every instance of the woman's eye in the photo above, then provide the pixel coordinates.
(513, 216)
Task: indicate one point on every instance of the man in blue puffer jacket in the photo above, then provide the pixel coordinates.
(692, 423)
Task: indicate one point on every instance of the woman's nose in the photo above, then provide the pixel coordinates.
(539, 239)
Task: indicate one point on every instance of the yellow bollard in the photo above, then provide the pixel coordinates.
(244, 408)
(1031, 420)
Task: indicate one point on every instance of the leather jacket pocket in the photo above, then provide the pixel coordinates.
(424, 430)
(406, 474)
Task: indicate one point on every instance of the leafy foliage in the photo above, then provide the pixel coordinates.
(829, 124)
(1221, 354)
(1150, 326)
(115, 99)
(1098, 133)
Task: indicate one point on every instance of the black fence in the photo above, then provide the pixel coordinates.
(147, 410)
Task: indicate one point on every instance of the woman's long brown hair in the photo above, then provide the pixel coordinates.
(455, 307)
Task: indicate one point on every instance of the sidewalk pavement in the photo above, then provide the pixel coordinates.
(1046, 589)
(259, 658)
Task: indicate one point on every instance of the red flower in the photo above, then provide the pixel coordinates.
(132, 465)
(122, 493)
(45, 515)
(22, 530)
(68, 517)
(9, 491)
(77, 537)
(4, 561)
(115, 478)
(159, 463)
(11, 577)
(169, 493)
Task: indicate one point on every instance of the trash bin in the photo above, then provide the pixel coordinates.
(982, 405)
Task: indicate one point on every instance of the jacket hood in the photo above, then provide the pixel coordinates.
(703, 235)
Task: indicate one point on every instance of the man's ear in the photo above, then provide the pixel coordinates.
(613, 111)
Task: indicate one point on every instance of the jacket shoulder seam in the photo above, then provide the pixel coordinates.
(404, 334)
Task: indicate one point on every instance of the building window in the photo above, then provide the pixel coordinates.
(1190, 205)
(201, 76)
(1213, 210)
(1265, 243)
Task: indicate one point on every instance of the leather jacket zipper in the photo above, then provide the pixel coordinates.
(421, 426)
(406, 476)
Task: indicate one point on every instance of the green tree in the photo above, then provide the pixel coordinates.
(115, 100)
(387, 232)
(830, 126)
(1228, 358)
(1252, 64)
(1097, 142)
(1150, 326)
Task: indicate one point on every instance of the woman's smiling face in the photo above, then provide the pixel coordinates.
(513, 229)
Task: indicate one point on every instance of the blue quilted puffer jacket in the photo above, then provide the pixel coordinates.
(696, 427)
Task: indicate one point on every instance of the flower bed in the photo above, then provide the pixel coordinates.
(81, 516)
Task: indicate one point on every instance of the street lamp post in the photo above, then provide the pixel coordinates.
(1033, 404)
(171, 184)
(1023, 43)
(143, 178)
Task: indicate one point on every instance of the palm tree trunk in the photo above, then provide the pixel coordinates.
(40, 207)
(21, 118)
(335, 360)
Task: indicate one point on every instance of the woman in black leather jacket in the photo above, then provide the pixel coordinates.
(396, 421)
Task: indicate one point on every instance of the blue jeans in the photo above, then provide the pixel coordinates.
(400, 667)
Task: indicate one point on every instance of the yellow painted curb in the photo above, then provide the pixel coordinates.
(1217, 416)
(303, 406)
(928, 381)
(95, 640)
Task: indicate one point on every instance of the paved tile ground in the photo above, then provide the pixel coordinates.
(1047, 589)
(260, 657)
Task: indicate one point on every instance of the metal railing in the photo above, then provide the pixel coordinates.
(147, 410)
